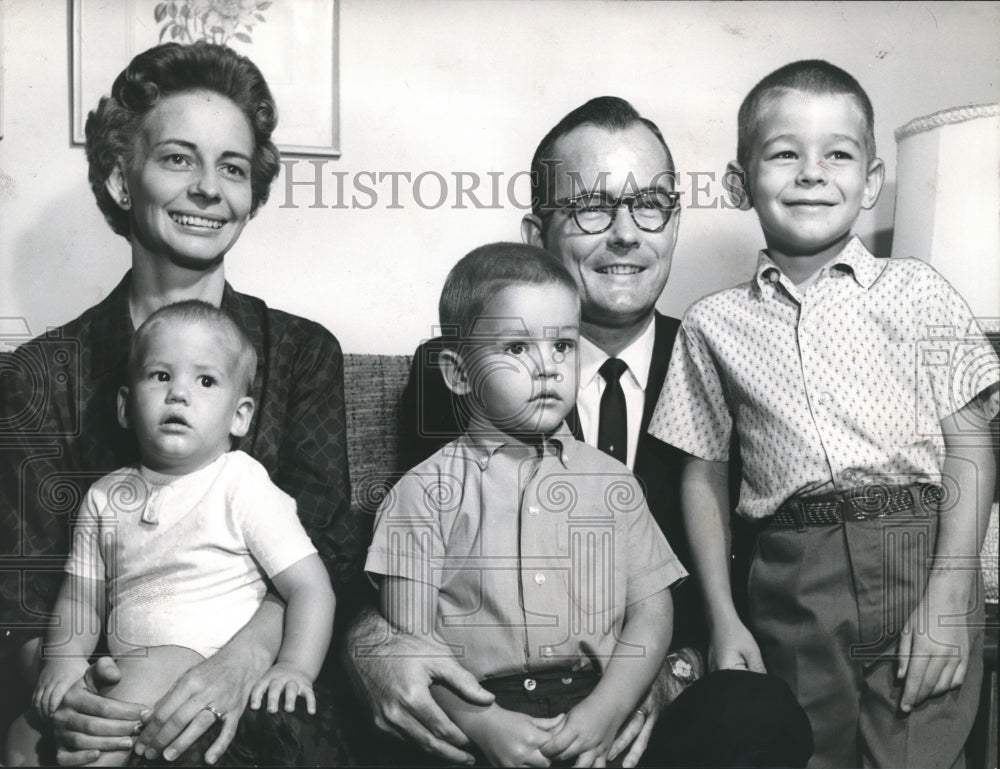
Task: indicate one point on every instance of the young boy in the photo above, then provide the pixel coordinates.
(531, 555)
(182, 545)
(860, 390)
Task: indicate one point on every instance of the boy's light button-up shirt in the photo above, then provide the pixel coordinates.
(838, 386)
(535, 554)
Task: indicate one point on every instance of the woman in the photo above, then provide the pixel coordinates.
(180, 159)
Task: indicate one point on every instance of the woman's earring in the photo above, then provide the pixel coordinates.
(125, 201)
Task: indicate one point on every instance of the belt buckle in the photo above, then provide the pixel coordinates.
(797, 510)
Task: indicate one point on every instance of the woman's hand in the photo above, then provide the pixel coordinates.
(223, 682)
(85, 724)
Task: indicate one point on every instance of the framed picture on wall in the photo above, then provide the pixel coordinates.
(1, 71)
(293, 42)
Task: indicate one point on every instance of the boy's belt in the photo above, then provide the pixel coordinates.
(858, 504)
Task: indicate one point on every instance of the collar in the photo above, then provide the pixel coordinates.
(156, 481)
(855, 259)
(637, 356)
(483, 446)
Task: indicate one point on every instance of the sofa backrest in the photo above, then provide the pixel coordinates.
(373, 385)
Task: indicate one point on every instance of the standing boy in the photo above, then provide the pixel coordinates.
(531, 554)
(862, 441)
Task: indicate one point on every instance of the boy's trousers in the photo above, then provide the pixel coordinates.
(827, 604)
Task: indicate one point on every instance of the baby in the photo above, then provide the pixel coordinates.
(176, 553)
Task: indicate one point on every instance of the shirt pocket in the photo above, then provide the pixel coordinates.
(596, 577)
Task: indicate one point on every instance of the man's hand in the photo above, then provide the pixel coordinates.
(638, 729)
(933, 655)
(85, 724)
(394, 672)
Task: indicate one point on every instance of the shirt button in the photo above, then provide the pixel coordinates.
(532, 510)
(530, 684)
(546, 651)
(539, 579)
(483, 461)
(825, 398)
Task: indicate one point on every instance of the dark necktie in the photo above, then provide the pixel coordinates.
(612, 431)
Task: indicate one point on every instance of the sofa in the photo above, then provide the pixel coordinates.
(373, 385)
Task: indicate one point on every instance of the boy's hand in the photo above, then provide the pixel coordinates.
(283, 679)
(56, 678)
(514, 739)
(734, 648)
(585, 736)
(933, 654)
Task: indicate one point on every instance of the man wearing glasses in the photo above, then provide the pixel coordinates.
(604, 203)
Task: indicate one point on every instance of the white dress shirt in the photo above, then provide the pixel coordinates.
(638, 357)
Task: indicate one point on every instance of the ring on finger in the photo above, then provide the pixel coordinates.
(643, 713)
(219, 715)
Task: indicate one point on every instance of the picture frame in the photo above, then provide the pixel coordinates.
(284, 38)
(1, 71)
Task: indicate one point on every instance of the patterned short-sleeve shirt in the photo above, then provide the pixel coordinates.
(843, 384)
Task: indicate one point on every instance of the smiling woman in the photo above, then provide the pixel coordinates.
(192, 167)
(180, 158)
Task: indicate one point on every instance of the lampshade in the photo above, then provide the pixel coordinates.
(948, 200)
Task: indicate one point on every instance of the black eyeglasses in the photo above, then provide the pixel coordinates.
(593, 213)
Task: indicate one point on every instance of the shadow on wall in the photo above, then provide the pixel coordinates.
(879, 242)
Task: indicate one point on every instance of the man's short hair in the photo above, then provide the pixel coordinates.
(484, 272)
(608, 112)
(202, 313)
(813, 76)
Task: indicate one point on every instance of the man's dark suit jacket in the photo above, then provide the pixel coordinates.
(431, 417)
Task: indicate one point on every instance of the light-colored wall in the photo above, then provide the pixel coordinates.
(447, 86)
